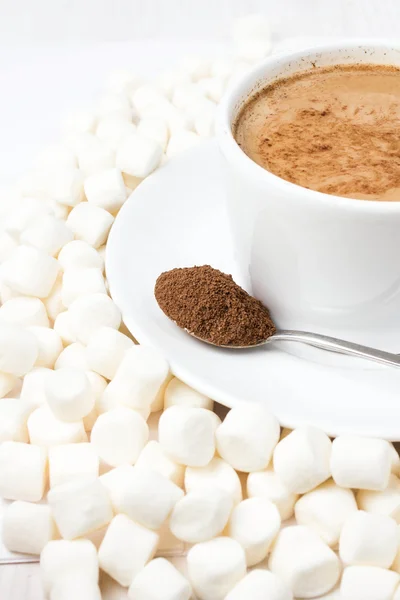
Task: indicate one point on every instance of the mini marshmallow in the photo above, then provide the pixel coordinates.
(138, 155)
(80, 255)
(122, 81)
(146, 96)
(259, 585)
(396, 563)
(115, 104)
(27, 527)
(201, 515)
(53, 303)
(217, 473)
(46, 430)
(49, 346)
(213, 88)
(98, 384)
(18, 349)
(178, 393)
(171, 79)
(7, 383)
(81, 282)
(325, 510)
(368, 583)
(155, 129)
(188, 435)
(106, 190)
(65, 328)
(7, 245)
(24, 311)
(197, 67)
(361, 462)
(222, 68)
(116, 481)
(80, 122)
(69, 394)
(180, 141)
(24, 213)
(186, 95)
(139, 378)
(23, 471)
(78, 588)
(69, 462)
(95, 156)
(90, 223)
(204, 124)
(14, 414)
(33, 386)
(267, 484)
(307, 565)
(247, 437)
(368, 539)
(302, 458)
(160, 580)
(125, 549)
(30, 272)
(154, 458)
(253, 50)
(90, 312)
(73, 357)
(113, 129)
(106, 350)
(215, 567)
(59, 211)
(386, 502)
(158, 402)
(254, 523)
(48, 234)
(64, 558)
(80, 507)
(119, 436)
(66, 186)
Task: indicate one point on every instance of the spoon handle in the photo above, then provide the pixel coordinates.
(332, 344)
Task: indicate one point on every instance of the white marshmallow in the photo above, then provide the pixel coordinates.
(217, 473)
(197, 67)
(138, 155)
(160, 580)
(14, 413)
(222, 68)
(46, 430)
(386, 502)
(213, 88)
(48, 234)
(253, 50)
(259, 585)
(90, 312)
(396, 563)
(24, 213)
(147, 96)
(69, 462)
(171, 79)
(18, 349)
(78, 588)
(325, 509)
(80, 507)
(158, 402)
(186, 95)
(250, 27)
(126, 548)
(106, 350)
(302, 459)
(267, 484)
(368, 583)
(65, 186)
(69, 394)
(80, 122)
(59, 211)
(204, 124)
(122, 81)
(7, 245)
(201, 515)
(361, 462)
(55, 155)
(94, 156)
(33, 386)
(113, 129)
(80, 255)
(24, 311)
(49, 346)
(247, 437)
(30, 272)
(27, 527)
(368, 539)
(215, 567)
(23, 471)
(255, 523)
(155, 129)
(180, 141)
(64, 558)
(7, 383)
(139, 378)
(74, 357)
(90, 223)
(106, 403)
(188, 435)
(116, 481)
(106, 190)
(53, 303)
(65, 327)
(98, 384)
(119, 436)
(307, 565)
(115, 104)
(81, 282)
(178, 393)
(154, 458)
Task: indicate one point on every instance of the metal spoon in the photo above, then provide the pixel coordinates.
(324, 342)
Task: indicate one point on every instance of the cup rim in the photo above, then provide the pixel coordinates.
(232, 151)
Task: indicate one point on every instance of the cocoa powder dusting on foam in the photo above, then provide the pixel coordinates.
(211, 305)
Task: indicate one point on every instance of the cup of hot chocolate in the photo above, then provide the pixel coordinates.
(311, 142)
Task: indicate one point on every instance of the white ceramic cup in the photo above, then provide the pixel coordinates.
(320, 263)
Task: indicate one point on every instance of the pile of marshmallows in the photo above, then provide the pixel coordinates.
(76, 394)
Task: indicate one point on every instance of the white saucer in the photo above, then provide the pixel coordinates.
(177, 218)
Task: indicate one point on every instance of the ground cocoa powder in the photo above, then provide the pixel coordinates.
(211, 305)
